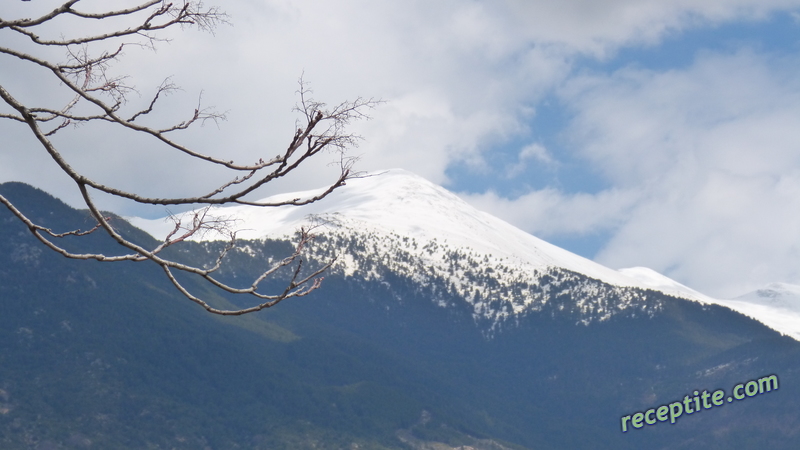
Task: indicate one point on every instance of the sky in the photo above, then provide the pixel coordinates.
(656, 133)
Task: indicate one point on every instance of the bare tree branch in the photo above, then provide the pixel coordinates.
(99, 96)
(188, 13)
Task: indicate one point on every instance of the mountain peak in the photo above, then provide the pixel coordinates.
(402, 203)
(421, 230)
(781, 295)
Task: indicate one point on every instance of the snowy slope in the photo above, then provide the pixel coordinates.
(651, 279)
(408, 218)
(777, 305)
(399, 202)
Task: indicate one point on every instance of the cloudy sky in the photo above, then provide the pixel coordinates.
(657, 133)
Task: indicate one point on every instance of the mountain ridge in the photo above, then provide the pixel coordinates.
(415, 219)
(399, 202)
(97, 355)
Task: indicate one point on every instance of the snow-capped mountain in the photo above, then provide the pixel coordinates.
(397, 202)
(422, 341)
(397, 221)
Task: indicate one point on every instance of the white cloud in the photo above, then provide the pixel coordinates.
(483, 64)
(725, 237)
(532, 152)
(713, 151)
(635, 123)
(460, 75)
(549, 212)
(600, 27)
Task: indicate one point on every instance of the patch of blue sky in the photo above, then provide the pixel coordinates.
(508, 175)
(586, 245)
(779, 33)
(511, 174)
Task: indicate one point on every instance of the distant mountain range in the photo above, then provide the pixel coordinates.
(440, 328)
